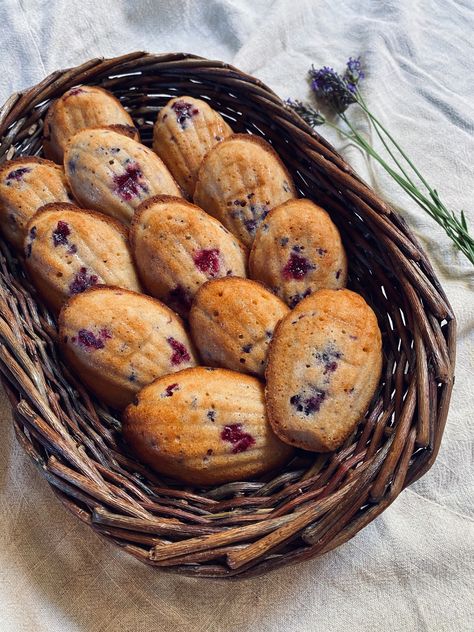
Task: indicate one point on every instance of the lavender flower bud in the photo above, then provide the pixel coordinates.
(353, 73)
(331, 88)
(307, 112)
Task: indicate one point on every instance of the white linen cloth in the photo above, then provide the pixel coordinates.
(413, 568)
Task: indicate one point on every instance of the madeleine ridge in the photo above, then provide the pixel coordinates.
(323, 367)
(184, 131)
(26, 184)
(204, 427)
(117, 341)
(240, 180)
(68, 249)
(177, 247)
(232, 322)
(298, 250)
(112, 173)
(79, 108)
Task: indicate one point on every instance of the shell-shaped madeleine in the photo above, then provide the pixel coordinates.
(185, 130)
(178, 247)
(323, 367)
(204, 426)
(118, 341)
(68, 249)
(240, 180)
(78, 108)
(112, 173)
(232, 322)
(298, 250)
(26, 184)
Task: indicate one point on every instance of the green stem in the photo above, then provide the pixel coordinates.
(435, 205)
(377, 123)
(437, 211)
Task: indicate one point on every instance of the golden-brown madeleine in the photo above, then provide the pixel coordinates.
(118, 341)
(26, 184)
(112, 173)
(232, 322)
(68, 249)
(185, 130)
(323, 368)
(204, 427)
(240, 180)
(298, 250)
(78, 108)
(178, 247)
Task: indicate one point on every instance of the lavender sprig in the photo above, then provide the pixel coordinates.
(338, 92)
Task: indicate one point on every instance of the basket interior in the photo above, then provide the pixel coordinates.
(318, 501)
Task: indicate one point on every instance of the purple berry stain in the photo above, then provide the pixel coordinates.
(90, 341)
(328, 358)
(296, 298)
(60, 234)
(241, 441)
(184, 112)
(338, 273)
(297, 267)
(18, 174)
(308, 405)
(211, 415)
(180, 353)
(169, 390)
(73, 92)
(82, 281)
(207, 261)
(258, 213)
(130, 183)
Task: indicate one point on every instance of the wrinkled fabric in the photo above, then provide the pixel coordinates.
(411, 569)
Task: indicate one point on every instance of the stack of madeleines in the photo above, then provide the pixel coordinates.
(220, 325)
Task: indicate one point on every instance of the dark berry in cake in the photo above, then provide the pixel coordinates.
(184, 112)
(240, 440)
(297, 267)
(90, 341)
(61, 233)
(18, 174)
(180, 353)
(82, 281)
(207, 261)
(130, 183)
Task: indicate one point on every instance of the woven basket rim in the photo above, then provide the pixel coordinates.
(251, 527)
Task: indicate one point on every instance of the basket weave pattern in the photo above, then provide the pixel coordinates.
(319, 501)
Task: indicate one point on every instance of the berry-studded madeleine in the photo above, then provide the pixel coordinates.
(26, 184)
(298, 250)
(204, 426)
(323, 367)
(117, 341)
(184, 131)
(178, 247)
(112, 173)
(240, 180)
(68, 250)
(232, 322)
(78, 108)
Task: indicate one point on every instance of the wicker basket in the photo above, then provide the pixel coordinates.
(319, 501)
